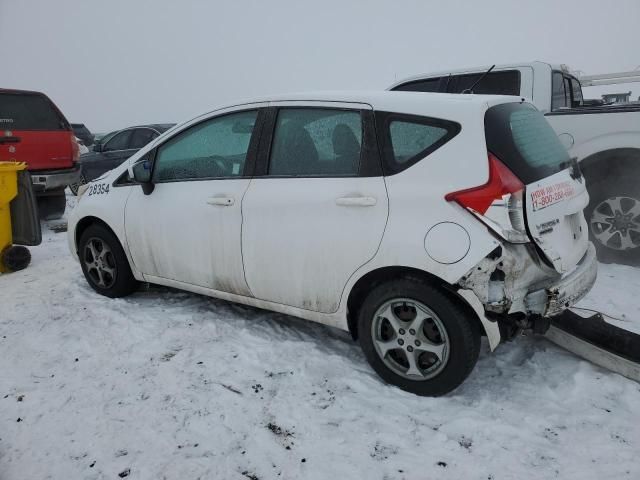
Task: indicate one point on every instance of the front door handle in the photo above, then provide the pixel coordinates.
(356, 201)
(222, 201)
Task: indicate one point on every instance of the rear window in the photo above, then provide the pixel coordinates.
(29, 112)
(520, 136)
(494, 83)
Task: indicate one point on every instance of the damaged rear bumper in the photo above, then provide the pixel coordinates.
(568, 290)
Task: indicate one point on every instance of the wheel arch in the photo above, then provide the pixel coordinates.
(87, 221)
(380, 275)
(616, 162)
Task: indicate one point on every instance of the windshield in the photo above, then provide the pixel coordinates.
(520, 136)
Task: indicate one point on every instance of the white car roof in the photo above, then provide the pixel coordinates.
(442, 105)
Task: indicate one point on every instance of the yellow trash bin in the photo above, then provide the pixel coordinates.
(8, 191)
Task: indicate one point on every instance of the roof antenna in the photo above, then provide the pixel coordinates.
(470, 89)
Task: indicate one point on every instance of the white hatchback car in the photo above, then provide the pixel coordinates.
(418, 222)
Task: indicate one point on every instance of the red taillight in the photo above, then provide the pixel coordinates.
(501, 182)
(75, 148)
(498, 203)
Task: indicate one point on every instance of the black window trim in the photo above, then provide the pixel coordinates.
(370, 162)
(452, 79)
(383, 121)
(249, 164)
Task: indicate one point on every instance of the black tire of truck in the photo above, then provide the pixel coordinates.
(52, 204)
(613, 217)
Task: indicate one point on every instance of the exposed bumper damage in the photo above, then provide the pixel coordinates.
(512, 280)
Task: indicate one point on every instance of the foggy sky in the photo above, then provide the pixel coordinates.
(115, 63)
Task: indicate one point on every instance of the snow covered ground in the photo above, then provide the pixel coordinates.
(172, 385)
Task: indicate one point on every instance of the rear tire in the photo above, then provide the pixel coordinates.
(410, 318)
(52, 204)
(104, 263)
(613, 215)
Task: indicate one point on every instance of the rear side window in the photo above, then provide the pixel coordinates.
(520, 136)
(316, 142)
(427, 85)
(407, 139)
(29, 112)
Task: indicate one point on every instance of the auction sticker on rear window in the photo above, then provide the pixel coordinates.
(546, 196)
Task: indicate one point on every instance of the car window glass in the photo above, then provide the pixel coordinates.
(141, 136)
(577, 92)
(316, 142)
(494, 83)
(119, 141)
(215, 148)
(558, 93)
(409, 139)
(427, 85)
(29, 112)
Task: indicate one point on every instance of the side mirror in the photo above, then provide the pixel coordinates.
(142, 174)
(97, 147)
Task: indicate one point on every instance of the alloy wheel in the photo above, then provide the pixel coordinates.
(410, 339)
(99, 262)
(615, 223)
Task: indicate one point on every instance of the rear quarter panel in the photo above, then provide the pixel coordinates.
(417, 203)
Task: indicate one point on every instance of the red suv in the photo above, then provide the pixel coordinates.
(33, 130)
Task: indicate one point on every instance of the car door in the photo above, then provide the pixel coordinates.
(316, 209)
(188, 228)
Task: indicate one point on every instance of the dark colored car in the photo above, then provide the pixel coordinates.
(114, 149)
(83, 133)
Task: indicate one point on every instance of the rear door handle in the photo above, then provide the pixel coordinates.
(222, 201)
(356, 201)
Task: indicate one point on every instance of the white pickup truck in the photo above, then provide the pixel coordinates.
(605, 139)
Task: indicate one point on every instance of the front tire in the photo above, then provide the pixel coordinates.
(417, 337)
(104, 263)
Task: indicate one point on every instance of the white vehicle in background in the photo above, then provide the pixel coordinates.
(604, 139)
(416, 222)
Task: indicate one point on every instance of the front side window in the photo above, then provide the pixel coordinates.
(316, 142)
(119, 141)
(215, 148)
(141, 136)
(576, 90)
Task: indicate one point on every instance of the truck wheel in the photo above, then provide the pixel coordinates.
(418, 338)
(613, 215)
(104, 263)
(52, 204)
